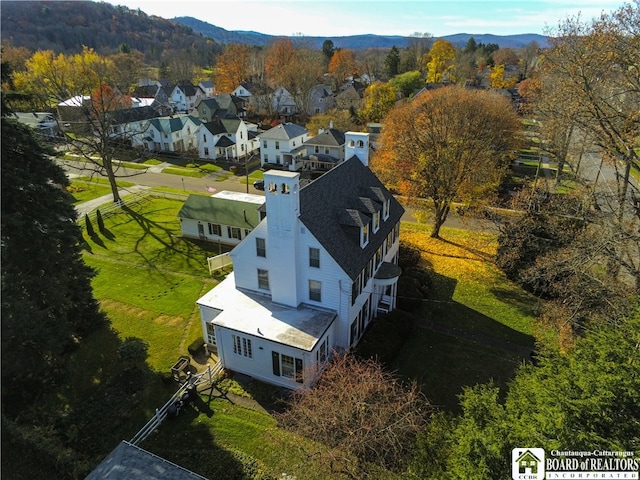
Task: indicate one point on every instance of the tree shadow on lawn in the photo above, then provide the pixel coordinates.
(441, 311)
(166, 237)
(456, 346)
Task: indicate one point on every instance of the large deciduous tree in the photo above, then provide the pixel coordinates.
(85, 76)
(441, 64)
(378, 99)
(363, 414)
(296, 69)
(448, 144)
(342, 65)
(232, 67)
(590, 72)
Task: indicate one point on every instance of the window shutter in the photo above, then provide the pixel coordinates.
(275, 359)
(299, 370)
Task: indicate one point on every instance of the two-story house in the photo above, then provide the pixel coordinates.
(221, 105)
(257, 95)
(320, 99)
(176, 133)
(321, 152)
(184, 96)
(227, 139)
(310, 278)
(283, 102)
(279, 144)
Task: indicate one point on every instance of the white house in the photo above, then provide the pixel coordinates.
(176, 133)
(283, 102)
(278, 144)
(226, 217)
(185, 96)
(310, 278)
(227, 139)
(208, 88)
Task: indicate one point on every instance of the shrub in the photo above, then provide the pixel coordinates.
(196, 346)
(100, 221)
(89, 226)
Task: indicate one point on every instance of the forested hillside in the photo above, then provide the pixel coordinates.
(64, 27)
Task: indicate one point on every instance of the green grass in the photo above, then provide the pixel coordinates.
(185, 172)
(84, 189)
(152, 161)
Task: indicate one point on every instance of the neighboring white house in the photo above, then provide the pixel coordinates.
(278, 144)
(208, 88)
(310, 278)
(283, 102)
(226, 217)
(185, 96)
(176, 133)
(227, 139)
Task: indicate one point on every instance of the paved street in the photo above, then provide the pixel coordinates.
(153, 177)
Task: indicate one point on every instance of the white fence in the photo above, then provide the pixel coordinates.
(207, 377)
(219, 262)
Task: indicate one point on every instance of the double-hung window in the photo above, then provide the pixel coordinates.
(315, 290)
(314, 257)
(263, 279)
(242, 346)
(261, 248)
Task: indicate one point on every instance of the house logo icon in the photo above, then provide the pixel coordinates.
(527, 464)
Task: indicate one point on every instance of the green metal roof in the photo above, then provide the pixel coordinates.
(222, 211)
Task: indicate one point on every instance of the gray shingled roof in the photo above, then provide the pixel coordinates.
(334, 206)
(129, 462)
(284, 131)
(172, 124)
(330, 137)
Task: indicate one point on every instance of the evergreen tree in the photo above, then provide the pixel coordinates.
(47, 301)
(392, 62)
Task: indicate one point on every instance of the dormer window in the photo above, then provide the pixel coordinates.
(364, 235)
(386, 207)
(376, 221)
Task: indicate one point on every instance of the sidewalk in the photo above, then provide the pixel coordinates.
(89, 206)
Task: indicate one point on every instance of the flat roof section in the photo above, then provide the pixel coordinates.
(257, 315)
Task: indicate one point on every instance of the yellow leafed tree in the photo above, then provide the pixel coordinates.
(441, 62)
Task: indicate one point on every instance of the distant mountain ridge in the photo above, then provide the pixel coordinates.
(353, 42)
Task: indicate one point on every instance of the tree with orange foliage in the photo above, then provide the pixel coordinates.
(278, 65)
(449, 144)
(342, 64)
(295, 69)
(232, 68)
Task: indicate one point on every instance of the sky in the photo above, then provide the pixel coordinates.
(334, 18)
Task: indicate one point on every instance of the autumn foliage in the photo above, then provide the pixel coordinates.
(447, 144)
